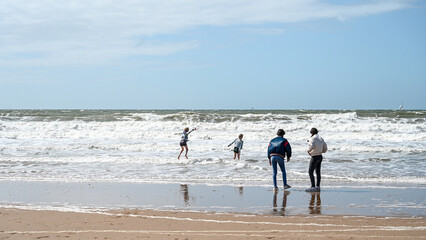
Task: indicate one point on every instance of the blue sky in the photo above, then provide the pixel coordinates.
(212, 54)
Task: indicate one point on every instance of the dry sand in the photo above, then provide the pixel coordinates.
(149, 224)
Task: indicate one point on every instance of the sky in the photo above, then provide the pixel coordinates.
(212, 54)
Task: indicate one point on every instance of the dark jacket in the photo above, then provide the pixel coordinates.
(279, 146)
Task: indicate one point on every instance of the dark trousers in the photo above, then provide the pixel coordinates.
(315, 164)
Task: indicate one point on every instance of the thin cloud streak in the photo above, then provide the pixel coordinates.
(51, 53)
(264, 31)
(62, 32)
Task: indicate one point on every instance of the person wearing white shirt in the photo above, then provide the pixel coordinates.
(238, 145)
(317, 147)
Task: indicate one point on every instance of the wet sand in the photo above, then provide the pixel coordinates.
(346, 201)
(55, 210)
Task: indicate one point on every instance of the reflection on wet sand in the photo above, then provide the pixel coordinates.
(185, 192)
(275, 209)
(279, 202)
(241, 190)
(315, 203)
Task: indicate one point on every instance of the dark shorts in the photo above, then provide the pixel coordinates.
(236, 150)
(183, 144)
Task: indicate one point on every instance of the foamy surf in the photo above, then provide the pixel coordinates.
(365, 147)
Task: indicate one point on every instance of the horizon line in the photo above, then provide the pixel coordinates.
(207, 109)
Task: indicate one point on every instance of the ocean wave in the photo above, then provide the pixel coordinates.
(215, 116)
(104, 145)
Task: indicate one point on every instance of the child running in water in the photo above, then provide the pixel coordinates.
(238, 145)
(183, 141)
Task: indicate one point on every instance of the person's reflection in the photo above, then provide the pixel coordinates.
(241, 190)
(280, 211)
(315, 203)
(184, 191)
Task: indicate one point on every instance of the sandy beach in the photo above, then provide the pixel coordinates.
(148, 224)
(43, 210)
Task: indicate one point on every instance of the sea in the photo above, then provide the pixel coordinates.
(366, 148)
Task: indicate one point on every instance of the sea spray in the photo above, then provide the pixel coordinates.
(365, 147)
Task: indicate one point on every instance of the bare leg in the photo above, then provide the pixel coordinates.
(238, 156)
(180, 152)
(186, 153)
(235, 155)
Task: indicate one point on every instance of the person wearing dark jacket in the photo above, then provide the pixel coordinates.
(278, 148)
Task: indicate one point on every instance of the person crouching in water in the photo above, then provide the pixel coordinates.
(277, 149)
(183, 141)
(317, 147)
(238, 145)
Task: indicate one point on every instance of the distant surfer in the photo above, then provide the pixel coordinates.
(238, 145)
(183, 141)
(278, 148)
(317, 147)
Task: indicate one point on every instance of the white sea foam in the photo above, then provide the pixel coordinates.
(142, 146)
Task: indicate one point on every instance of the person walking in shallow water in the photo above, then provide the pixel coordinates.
(278, 148)
(317, 147)
(183, 141)
(238, 145)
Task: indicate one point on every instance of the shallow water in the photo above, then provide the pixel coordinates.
(93, 197)
(369, 148)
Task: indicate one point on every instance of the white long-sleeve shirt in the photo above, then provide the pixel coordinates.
(238, 143)
(317, 145)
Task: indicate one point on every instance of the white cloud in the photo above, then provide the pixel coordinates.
(79, 31)
(50, 52)
(264, 31)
